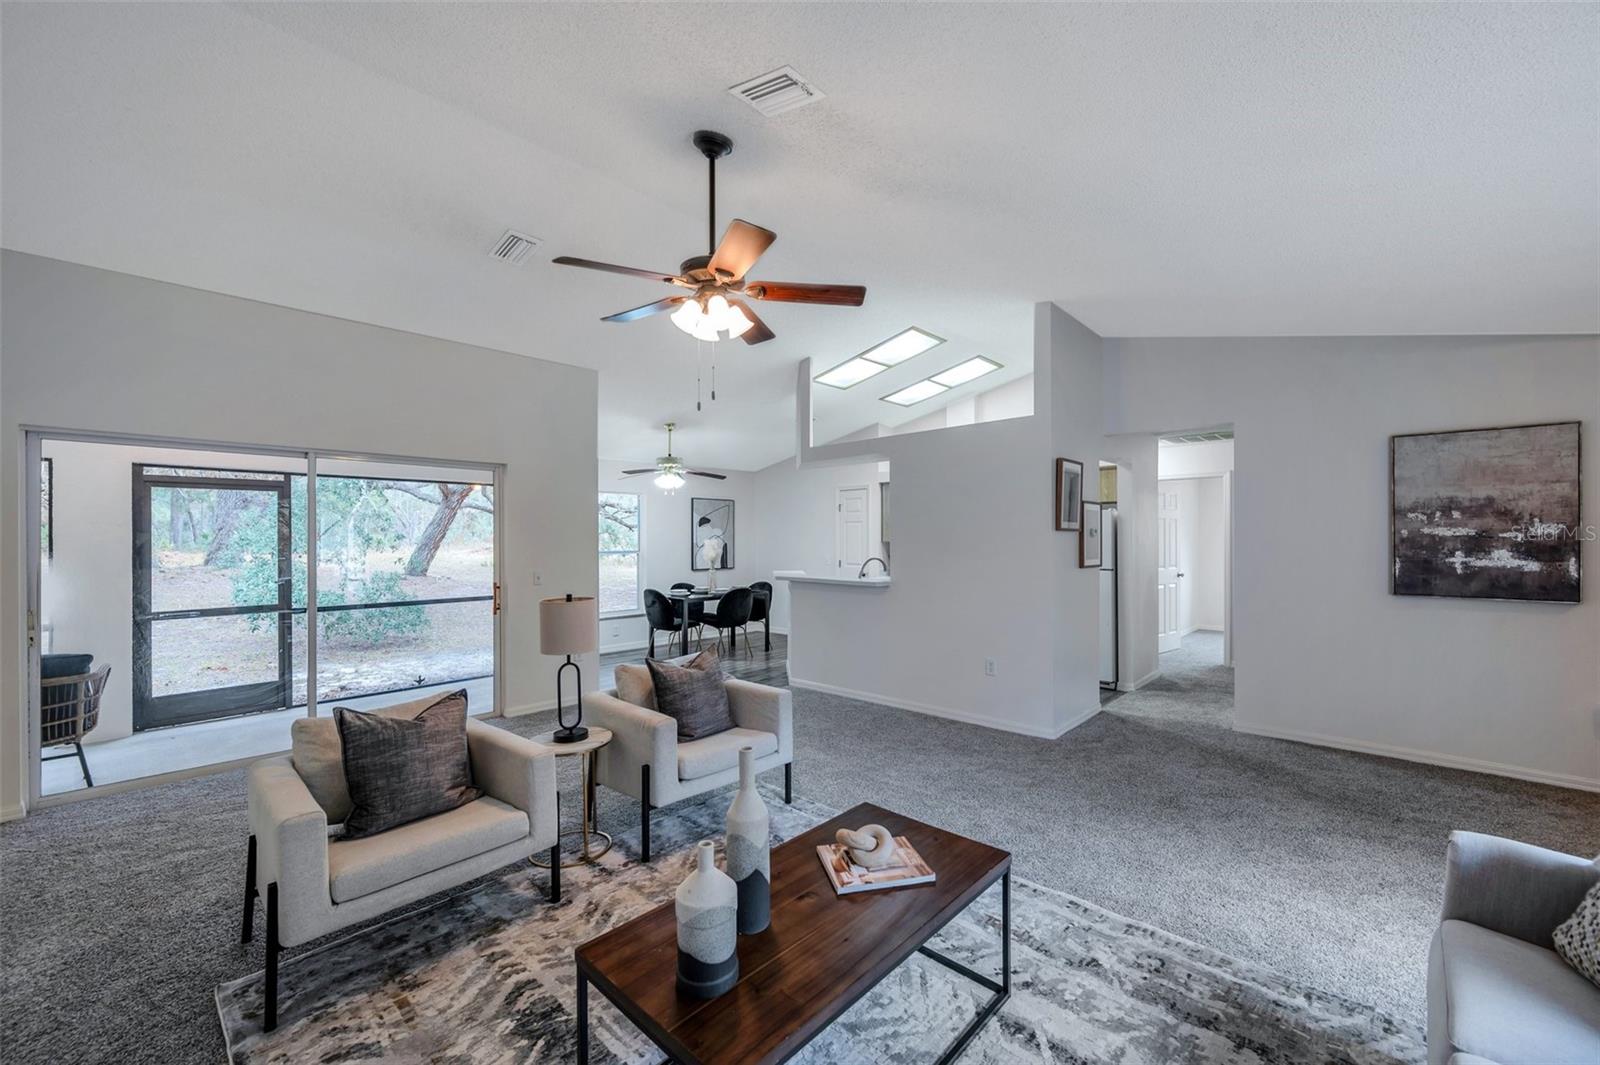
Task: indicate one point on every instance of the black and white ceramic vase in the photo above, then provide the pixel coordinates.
(708, 936)
(749, 849)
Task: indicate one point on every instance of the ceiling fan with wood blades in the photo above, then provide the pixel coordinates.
(670, 470)
(715, 306)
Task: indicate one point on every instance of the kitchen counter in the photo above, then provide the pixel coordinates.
(848, 582)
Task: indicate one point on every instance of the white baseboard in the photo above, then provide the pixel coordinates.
(1079, 718)
(1141, 682)
(964, 716)
(11, 812)
(528, 708)
(1411, 754)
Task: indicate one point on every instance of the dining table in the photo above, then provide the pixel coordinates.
(685, 596)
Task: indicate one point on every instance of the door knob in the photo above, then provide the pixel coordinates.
(1180, 574)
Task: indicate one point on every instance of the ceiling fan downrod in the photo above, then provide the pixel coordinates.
(713, 146)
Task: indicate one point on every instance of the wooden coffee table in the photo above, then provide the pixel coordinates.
(821, 953)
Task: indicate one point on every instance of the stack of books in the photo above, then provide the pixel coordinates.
(848, 878)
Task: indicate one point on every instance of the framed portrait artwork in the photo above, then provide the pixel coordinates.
(1089, 538)
(1069, 495)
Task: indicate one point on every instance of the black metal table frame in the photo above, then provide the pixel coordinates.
(685, 598)
(1001, 988)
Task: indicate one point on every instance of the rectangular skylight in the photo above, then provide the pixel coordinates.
(851, 372)
(916, 393)
(970, 370)
(906, 344)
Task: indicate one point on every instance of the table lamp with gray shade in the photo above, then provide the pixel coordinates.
(568, 626)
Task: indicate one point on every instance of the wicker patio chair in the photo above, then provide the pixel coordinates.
(69, 709)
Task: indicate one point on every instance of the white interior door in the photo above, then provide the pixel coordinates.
(1169, 632)
(852, 530)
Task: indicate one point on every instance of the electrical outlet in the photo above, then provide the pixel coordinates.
(988, 667)
(538, 578)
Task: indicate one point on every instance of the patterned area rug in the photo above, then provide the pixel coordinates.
(486, 977)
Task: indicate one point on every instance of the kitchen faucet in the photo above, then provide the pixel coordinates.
(869, 562)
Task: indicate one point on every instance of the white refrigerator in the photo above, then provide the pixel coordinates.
(1108, 595)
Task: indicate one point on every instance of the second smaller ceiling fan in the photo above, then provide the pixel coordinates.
(671, 470)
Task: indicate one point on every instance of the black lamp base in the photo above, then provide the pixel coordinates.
(572, 734)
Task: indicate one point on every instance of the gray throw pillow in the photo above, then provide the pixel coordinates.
(634, 684)
(695, 697)
(319, 756)
(399, 771)
(1577, 939)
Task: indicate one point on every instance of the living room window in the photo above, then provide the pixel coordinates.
(619, 554)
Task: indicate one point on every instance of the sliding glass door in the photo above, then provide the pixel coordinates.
(189, 604)
(212, 577)
(405, 581)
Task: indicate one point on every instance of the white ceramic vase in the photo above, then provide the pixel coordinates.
(749, 850)
(708, 935)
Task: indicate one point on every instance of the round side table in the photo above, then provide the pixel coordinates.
(583, 750)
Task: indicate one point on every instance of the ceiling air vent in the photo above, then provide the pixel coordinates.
(1203, 437)
(514, 247)
(774, 93)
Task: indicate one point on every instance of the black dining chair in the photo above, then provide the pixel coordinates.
(761, 610)
(697, 610)
(661, 614)
(733, 614)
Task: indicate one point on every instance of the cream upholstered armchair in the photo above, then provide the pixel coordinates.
(646, 760)
(314, 884)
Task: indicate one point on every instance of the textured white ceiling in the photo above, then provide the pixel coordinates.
(1158, 170)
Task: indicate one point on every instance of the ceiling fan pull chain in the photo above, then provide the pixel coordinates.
(713, 374)
(699, 366)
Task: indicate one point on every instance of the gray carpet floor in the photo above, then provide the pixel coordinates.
(119, 916)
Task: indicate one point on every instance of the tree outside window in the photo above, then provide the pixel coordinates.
(619, 553)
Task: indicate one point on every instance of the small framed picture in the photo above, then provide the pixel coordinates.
(1089, 540)
(1069, 495)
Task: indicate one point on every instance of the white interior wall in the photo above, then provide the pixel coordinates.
(1137, 465)
(1323, 652)
(797, 521)
(1207, 592)
(1014, 399)
(970, 506)
(1077, 431)
(94, 350)
(664, 539)
(1204, 459)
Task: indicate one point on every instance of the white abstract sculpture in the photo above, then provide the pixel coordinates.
(870, 846)
(711, 555)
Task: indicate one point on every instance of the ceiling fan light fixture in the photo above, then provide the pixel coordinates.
(713, 320)
(669, 481)
(738, 324)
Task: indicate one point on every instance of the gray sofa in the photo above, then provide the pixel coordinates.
(313, 884)
(1498, 994)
